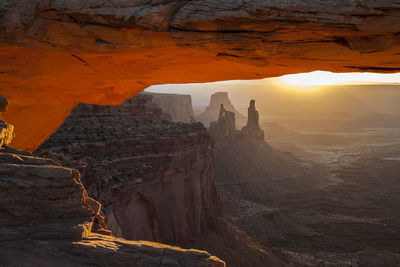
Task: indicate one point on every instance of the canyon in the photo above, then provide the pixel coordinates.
(342, 211)
(56, 54)
(47, 219)
(154, 177)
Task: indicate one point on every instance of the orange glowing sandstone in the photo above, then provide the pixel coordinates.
(60, 64)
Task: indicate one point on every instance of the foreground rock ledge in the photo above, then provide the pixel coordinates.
(47, 219)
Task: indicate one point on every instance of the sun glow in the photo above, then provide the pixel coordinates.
(317, 79)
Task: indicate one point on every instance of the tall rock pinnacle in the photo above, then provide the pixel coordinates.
(252, 129)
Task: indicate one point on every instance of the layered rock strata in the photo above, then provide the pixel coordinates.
(178, 106)
(154, 177)
(56, 54)
(48, 219)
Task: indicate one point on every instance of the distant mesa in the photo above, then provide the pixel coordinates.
(177, 106)
(213, 109)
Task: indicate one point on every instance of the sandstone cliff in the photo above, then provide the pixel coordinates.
(154, 177)
(47, 219)
(178, 106)
(213, 109)
(57, 53)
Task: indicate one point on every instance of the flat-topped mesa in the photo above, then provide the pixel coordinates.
(177, 106)
(225, 126)
(213, 109)
(6, 130)
(252, 129)
(154, 177)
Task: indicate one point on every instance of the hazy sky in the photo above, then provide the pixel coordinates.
(301, 82)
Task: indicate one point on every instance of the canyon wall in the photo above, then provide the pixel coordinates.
(48, 219)
(154, 177)
(178, 106)
(56, 54)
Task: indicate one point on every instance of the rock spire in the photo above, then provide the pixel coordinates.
(252, 129)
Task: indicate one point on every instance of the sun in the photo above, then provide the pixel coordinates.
(317, 79)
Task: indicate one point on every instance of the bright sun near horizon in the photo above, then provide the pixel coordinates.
(316, 79)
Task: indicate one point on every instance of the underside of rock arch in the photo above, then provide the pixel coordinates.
(57, 53)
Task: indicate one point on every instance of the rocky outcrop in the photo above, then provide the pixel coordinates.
(48, 219)
(154, 177)
(252, 129)
(225, 126)
(178, 106)
(6, 130)
(212, 111)
(56, 54)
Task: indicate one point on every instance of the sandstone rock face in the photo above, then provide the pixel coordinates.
(252, 129)
(178, 106)
(225, 126)
(214, 108)
(6, 130)
(6, 133)
(47, 219)
(3, 104)
(56, 54)
(154, 177)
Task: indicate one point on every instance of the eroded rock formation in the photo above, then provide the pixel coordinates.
(225, 126)
(252, 129)
(56, 54)
(154, 177)
(178, 106)
(213, 110)
(48, 219)
(6, 130)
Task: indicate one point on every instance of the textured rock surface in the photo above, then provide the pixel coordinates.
(6, 130)
(213, 109)
(103, 52)
(225, 126)
(154, 177)
(47, 219)
(252, 129)
(178, 106)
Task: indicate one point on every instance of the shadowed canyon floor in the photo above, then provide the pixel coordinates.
(341, 212)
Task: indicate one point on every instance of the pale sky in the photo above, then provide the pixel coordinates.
(302, 82)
